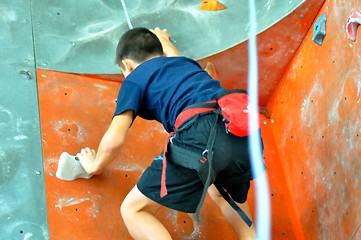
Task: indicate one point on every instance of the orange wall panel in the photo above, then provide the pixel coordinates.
(75, 112)
(316, 112)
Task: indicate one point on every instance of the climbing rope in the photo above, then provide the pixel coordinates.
(261, 182)
(126, 15)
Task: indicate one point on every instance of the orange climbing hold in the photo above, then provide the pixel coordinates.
(212, 5)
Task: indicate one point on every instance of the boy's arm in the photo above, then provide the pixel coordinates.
(109, 147)
(168, 48)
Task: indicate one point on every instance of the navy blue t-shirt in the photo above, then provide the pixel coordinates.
(160, 88)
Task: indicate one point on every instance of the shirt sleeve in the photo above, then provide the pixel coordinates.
(129, 98)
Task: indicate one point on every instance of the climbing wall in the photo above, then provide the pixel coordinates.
(77, 117)
(311, 140)
(22, 197)
(276, 48)
(314, 138)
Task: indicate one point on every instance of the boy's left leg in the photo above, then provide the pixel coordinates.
(138, 213)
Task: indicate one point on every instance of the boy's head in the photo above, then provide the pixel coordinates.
(137, 45)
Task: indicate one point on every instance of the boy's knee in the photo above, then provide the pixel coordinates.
(125, 210)
(131, 205)
(122, 209)
(136, 203)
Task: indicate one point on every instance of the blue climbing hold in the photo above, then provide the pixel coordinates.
(319, 31)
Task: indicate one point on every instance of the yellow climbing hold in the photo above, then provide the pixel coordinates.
(212, 5)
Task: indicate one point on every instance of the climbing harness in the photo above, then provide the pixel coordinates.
(228, 105)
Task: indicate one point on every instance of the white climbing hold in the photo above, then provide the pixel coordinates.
(69, 168)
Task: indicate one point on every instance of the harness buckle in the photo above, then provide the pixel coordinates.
(204, 156)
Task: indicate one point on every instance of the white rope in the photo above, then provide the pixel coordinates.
(263, 228)
(126, 15)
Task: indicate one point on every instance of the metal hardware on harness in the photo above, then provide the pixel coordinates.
(204, 156)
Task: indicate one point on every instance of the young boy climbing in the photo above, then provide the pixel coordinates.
(161, 85)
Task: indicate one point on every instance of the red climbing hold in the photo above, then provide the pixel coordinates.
(352, 24)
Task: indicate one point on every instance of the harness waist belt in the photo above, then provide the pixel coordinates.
(193, 110)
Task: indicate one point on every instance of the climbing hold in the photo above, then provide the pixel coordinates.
(69, 168)
(352, 24)
(212, 5)
(319, 31)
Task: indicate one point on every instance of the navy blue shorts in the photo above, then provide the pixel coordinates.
(231, 162)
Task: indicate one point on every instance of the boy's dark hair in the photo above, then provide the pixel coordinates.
(138, 44)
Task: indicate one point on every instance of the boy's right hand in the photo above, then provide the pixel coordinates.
(168, 48)
(161, 34)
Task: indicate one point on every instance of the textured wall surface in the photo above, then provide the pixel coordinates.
(81, 36)
(317, 118)
(276, 48)
(312, 140)
(77, 117)
(23, 213)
